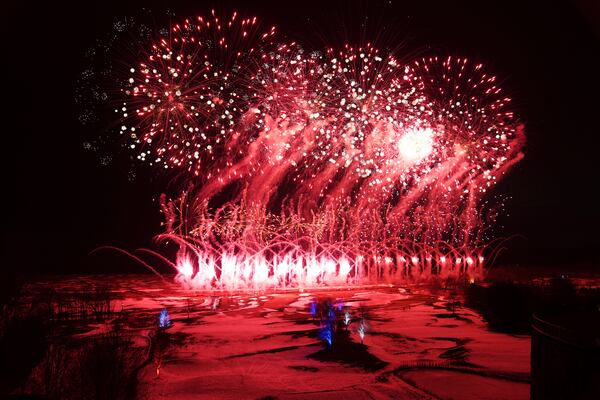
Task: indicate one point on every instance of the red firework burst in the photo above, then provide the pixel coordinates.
(317, 167)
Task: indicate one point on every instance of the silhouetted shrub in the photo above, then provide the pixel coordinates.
(96, 369)
(505, 306)
(106, 367)
(22, 346)
(508, 306)
(22, 336)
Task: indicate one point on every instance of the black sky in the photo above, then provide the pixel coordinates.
(61, 202)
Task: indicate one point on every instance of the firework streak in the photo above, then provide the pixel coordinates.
(324, 168)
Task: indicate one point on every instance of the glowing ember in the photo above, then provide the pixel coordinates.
(333, 168)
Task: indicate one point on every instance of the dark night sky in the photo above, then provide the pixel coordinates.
(62, 203)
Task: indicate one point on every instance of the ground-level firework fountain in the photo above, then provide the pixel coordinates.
(300, 269)
(304, 168)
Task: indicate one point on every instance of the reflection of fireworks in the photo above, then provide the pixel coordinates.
(323, 168)
(347, 318)
(362, 329)
(164, 320)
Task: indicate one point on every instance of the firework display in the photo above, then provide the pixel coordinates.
(334, 167)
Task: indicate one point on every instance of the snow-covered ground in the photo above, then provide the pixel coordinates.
(256, 345)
